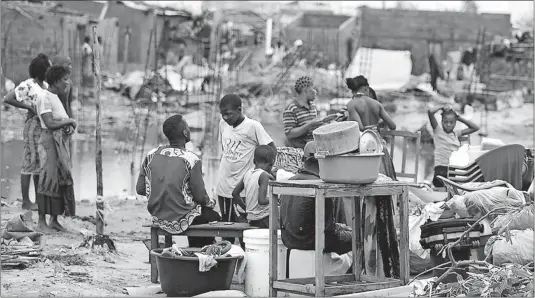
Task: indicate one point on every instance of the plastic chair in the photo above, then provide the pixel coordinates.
(454, 188)
(503, 163)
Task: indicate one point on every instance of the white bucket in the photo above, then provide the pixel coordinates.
(257, 268)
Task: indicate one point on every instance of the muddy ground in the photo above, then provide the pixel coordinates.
(80, 272)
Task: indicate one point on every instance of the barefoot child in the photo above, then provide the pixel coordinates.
(446, 139)
(255, 183)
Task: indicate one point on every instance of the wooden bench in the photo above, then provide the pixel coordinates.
(218, 229)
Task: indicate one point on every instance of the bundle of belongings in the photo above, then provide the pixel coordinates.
(208, 255)
(506, 235)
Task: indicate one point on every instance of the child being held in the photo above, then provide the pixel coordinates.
(255, 183)
(446, 139)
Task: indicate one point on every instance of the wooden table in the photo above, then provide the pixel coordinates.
(325, 286)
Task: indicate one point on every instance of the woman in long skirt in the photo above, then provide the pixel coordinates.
(24, 96)
(55, 178)
(365, 109)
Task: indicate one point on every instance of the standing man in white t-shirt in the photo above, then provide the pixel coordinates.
(239, 137)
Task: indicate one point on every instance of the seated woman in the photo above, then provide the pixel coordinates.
(171, 178)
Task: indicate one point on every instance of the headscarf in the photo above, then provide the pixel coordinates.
(303, 83)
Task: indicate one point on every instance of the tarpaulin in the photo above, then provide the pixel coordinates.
(384, 69)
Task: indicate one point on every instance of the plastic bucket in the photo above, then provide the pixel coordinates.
(180, 276)
(350, 168)
(257, 268)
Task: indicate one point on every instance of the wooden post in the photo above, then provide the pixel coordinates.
(1, 108)
(127, 34)
(98, 156)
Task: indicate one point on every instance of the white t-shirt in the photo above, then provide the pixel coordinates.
(238, 145)
(50, 103)
(445, 145)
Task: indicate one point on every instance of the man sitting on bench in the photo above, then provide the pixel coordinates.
(171, 179)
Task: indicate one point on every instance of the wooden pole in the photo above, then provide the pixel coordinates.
(127, 34)
(1, 108)
(98, 156)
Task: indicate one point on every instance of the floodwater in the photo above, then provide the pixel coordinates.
(116, 163)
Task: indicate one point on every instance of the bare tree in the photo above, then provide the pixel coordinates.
(469, 6)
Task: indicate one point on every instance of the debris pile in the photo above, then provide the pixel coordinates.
(20, 243)
(19, 254)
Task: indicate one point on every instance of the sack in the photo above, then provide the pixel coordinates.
(518, 251)
(458, 205)
(521, 220)
(479, 203)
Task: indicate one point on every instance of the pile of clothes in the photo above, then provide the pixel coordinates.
(208, 255)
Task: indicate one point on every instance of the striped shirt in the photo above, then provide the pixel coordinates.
(296, 115)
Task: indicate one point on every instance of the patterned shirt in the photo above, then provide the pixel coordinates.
(174, 187)
(296, 115)
(28, 92)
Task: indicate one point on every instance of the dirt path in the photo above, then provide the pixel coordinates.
(66, 272)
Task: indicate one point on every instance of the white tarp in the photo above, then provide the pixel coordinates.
(384, 69)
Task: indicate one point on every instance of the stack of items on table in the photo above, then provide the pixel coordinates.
(20, 243)
(341, 148)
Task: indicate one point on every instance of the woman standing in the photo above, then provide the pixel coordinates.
(369, 113)
(24, 96)
(55, 179)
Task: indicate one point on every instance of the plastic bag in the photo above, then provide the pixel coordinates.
(430, 212)
(518, 251)
(460, 157)
(479, 203)
(521, 220)
(457, 204)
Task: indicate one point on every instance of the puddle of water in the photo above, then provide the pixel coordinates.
(116, 163)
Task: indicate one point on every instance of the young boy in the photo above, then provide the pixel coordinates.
(255, 183)
(239, 137)
(446, 139)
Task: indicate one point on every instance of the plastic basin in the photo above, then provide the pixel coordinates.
(350, 168)
(180, 276)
